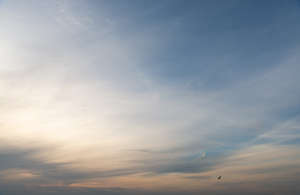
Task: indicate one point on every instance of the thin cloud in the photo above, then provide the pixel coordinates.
(160, 96)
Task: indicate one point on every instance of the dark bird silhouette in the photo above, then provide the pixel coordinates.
(219, 177)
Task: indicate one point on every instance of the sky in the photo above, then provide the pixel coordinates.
(120, 97)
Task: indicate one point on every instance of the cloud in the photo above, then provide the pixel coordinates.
(101, 98)
(17, 174)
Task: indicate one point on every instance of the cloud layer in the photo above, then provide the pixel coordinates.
(136, 97)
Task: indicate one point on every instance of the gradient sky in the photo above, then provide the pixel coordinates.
(120, 97)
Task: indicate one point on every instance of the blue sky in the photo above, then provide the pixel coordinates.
(149, 97)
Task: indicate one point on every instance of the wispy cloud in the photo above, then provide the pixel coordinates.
(161, 96)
